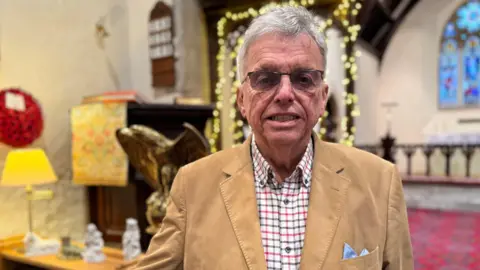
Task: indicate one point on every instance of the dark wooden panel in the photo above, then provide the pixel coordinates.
(163, 64)
(160, 10)
(112, 218)
(163, 79)
(169, 119)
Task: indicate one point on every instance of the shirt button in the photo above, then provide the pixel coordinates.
(288, 249)
(262, 183)
(286, 201)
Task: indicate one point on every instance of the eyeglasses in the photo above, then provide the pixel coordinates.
(302, 80)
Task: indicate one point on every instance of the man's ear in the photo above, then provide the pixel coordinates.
(240, 101)
(325, 93)
(324, 98)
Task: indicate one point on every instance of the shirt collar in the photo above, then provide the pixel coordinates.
(263, 171)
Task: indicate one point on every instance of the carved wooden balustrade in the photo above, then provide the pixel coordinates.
(418, 165)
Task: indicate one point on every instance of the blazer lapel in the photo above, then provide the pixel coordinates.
(327, 199)
(238, 192)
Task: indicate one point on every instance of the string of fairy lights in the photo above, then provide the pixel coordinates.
(346, 9)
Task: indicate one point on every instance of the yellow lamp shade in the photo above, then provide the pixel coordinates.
(27, 167)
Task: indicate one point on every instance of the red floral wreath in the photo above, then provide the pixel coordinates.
(21, 120)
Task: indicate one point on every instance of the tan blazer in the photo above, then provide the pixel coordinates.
(212, 220)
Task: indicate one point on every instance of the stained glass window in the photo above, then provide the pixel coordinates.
(459, 60)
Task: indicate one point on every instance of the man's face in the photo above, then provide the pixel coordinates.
(283, 114)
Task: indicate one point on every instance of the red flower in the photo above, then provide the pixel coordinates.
(18, 127)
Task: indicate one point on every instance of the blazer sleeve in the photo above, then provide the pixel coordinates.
(166, 248)
(398, 249)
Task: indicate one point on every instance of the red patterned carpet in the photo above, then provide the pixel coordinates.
(445, 240)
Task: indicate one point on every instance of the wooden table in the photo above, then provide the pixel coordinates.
(11, 258)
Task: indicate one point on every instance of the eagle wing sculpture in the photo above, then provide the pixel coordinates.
(148, 150)
(188, 147)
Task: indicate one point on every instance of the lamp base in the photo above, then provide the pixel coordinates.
(36, 246)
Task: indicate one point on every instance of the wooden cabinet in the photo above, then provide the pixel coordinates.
(110, 206)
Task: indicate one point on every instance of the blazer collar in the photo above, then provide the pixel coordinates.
(327, 198)
(328, 157)
(238, 192)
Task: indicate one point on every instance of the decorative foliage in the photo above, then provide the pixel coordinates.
(21, 119)
(459, 60)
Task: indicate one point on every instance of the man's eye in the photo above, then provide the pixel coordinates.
(304, 79)
(265, 80)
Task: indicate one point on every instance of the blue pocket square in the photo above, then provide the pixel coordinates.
(349, 252)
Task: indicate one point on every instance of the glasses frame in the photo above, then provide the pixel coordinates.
(283, 73)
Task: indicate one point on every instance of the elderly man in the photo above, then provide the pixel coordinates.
(284, 199)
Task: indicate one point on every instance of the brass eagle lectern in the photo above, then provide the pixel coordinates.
(158, 159)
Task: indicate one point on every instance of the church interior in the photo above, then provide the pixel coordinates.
(92, 78)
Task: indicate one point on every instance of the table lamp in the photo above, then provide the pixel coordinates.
(30, 167)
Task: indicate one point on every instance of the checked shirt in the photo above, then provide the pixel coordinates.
(282, 209)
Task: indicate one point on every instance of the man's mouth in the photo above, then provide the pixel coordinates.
(283, 118)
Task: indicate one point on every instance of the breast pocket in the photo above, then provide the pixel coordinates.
(366, 262)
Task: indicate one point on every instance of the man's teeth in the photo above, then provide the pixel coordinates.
(283, 118)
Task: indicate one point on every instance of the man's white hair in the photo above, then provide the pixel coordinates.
(287, 20)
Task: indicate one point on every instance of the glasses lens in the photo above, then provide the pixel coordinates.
(305, 79)
(264, 80)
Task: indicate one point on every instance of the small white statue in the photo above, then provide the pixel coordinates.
(90, 234)
(36, 246)
(93, 252)
(131, 240)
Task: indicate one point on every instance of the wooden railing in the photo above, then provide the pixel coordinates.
(412, 157)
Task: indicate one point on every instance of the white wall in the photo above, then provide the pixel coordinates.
(48, 48)
(409, 76)
(366, 90)
(336, 73)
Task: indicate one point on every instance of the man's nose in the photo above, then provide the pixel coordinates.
(285, 90)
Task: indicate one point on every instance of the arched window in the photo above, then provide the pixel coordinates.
(459, 61)
(161, 46)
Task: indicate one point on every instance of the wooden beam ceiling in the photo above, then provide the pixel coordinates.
(380, 20)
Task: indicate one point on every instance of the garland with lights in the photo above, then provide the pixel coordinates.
(345, 14)
(347, 9)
